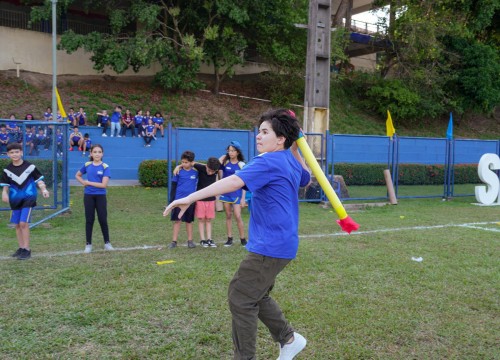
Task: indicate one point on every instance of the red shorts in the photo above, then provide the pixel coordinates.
(205, 210)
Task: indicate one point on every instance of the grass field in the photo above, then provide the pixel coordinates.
(352, 297)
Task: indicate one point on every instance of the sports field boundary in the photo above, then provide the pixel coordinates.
(474, 225)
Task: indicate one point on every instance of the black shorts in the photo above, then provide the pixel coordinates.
(187, 217)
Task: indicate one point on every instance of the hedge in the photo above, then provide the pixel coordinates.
(153, 173)
(409, 174)
(44, 166)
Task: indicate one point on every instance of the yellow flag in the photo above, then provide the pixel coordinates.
(389, 126)
(60, 105)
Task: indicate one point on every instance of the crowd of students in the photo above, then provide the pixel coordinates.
(119, 124)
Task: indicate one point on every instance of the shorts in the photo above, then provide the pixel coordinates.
(187, 217)
(230, 199)
(205, 210)
(21, 215)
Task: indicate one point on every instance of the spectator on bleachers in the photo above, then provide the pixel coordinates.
(145, 121)
(75, 139)
(138, 120)
(59, 142)
(81, 118)
(4, 139)
(30, 135)
(149, 133)
(29, 117)
(103, 121)
(47, 115)
(116, 119)
(87, 143)
(40, 139)
(158, 121)
(128, 123)
(72, 117)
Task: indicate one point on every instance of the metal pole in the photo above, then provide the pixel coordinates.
(54, 59)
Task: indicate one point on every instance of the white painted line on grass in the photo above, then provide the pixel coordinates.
(150, 247)
(400, 229)
(480, 228)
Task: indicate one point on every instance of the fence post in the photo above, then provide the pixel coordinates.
(169, 160)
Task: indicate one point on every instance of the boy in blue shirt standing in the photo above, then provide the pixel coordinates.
(274, 178)
(19, 180)
(183, 184)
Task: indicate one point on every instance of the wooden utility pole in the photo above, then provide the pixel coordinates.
(317, 90)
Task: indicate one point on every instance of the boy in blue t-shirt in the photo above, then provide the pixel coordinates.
(274, 178)
(184, 184)
(87, 143)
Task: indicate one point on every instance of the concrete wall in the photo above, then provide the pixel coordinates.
(34, 51)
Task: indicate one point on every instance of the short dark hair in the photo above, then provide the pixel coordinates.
(187, 155)
(283, 124)
(86, 135)
(14, 146)
(213, 164)
(2, 126)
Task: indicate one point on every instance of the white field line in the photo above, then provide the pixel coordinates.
(480, 228)
(156, 247)
(401, 229)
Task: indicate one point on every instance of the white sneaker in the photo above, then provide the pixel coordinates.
(88, 249)
(112, 135)
(118, 136)
(289, 351)
(103, 134)
(108, 246)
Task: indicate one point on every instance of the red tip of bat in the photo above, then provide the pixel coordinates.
(348, 225)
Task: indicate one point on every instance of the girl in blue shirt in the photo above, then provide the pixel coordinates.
(274, 178)
(94, 195)
(233, 201)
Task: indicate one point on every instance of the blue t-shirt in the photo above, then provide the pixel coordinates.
(88, 143)
(81, 117)
(104, 119)
(4, 136)
(59, 139)
(158, 120)
(229, 169)
(274, 179)
(150, 129)
(115, 117)
(47, 116)
(186, 182)
(29, 137)
(95, 173)
(138, 119)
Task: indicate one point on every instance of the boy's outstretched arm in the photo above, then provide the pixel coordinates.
(229, 184)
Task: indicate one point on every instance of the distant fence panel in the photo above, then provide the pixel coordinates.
(360, 148)
(469, 152)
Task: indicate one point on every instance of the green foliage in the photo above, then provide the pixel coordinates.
(477, 77)
(409, 174)
(153, 173)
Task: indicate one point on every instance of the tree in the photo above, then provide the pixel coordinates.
(446, 52)
(177, 34)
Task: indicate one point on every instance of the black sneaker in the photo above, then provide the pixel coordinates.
(172, 245)
(211, 243)
(17, 253)
(229, 242)
(204, 243)
(243, 241)
(24, 255)
(191, 244)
